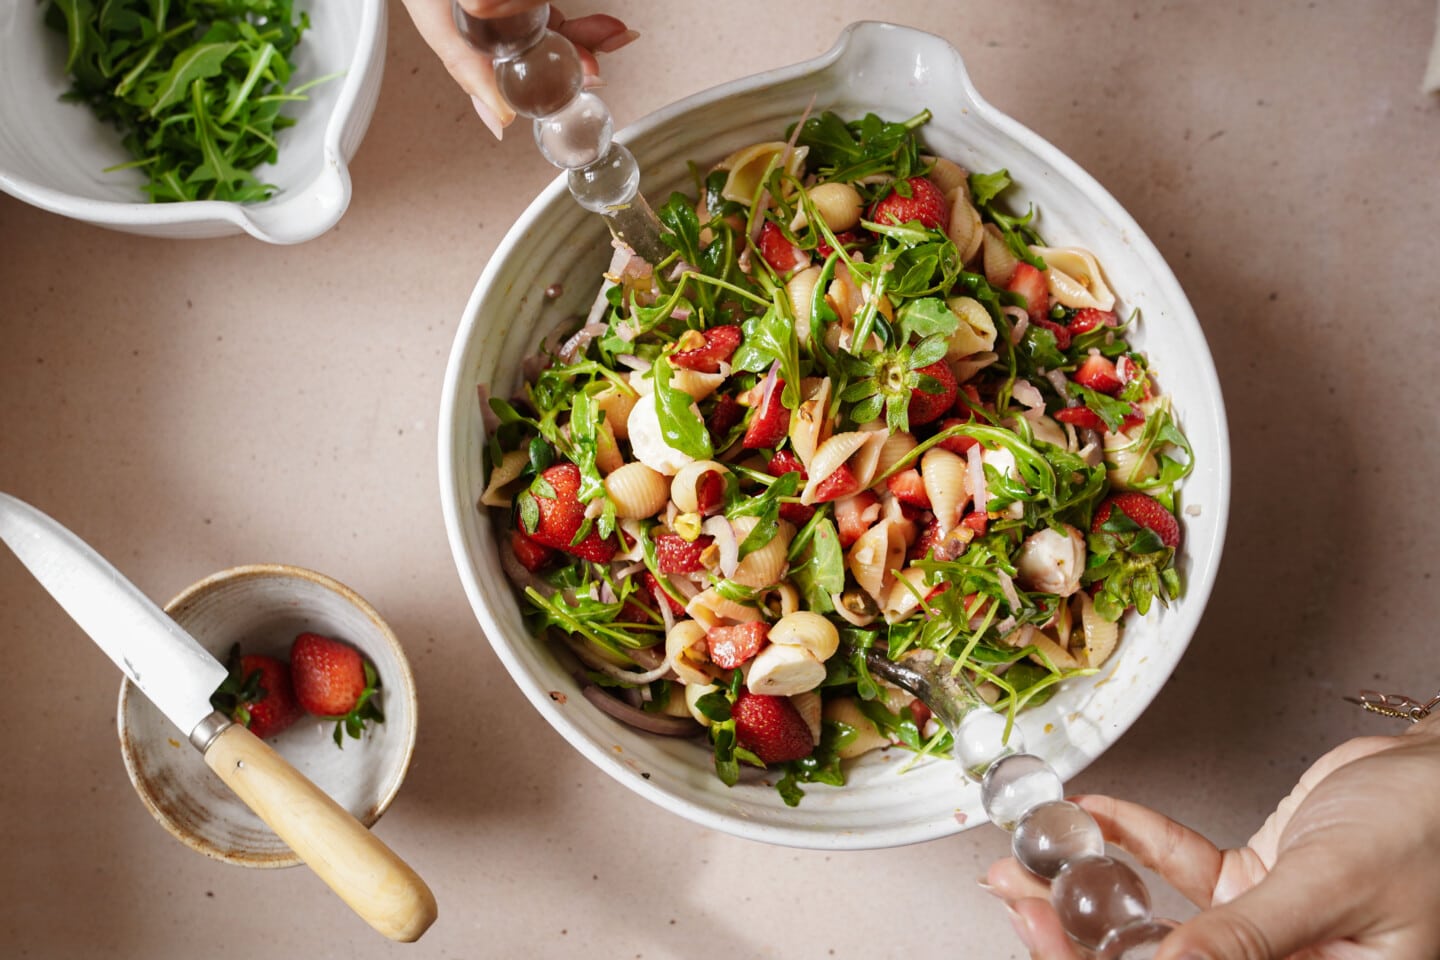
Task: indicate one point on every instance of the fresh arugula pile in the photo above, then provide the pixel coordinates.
(969, 605)
(196, 87)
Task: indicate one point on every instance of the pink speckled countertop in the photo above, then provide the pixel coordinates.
(190, 406)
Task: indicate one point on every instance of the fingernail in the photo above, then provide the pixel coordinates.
(592, 81)
(985, 886)
(611, 44)
(487, 116)
(1022, 927)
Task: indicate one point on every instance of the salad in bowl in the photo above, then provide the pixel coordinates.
(882, 397)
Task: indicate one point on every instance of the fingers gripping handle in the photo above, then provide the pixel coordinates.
(352, 861)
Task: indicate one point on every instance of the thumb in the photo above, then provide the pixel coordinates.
(1292, 908)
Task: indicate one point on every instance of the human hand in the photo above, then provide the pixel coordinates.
(1346, 868)
(597, 33)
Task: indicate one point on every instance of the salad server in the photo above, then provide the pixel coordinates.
(178, 676)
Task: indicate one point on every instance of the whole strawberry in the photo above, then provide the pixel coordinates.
(332, 680)
(258, 694)
(771, 727)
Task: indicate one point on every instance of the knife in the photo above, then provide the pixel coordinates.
(178, 676)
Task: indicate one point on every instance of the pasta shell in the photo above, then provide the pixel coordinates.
(904, 596)
(801, 290)
(1099, 635)
(693, 693)
(763, 567)
(810, 705)
(617, 406)
(807, 629)
(846, 710)
(998, 260)
(748, 166)
(975, 332)
(783, 671)
(501, 476)
(685, 486)
(1028, 636)
(1052, 560)
(811, 423)
(965, 229)
(971, 365)
(829, 457)
(944, 476)
(1129, 464)
(637, 491)
(896, 447)
(607, 452)
(1075, 279)
(685, 649)
(878, 551)
(698, 385)
(949, 176)
(838, 204)
(865, 464)
(711, 609)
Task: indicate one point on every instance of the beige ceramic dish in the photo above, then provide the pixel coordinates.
(263, 608)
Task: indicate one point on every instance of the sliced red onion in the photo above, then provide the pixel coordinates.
(1059, 382)
(724, 534)
(1007, 587)
(684, 586)
(629, 570)
(579, 340)
(615, 672)
(767, 386)
(1028, 394)
(1022, 320)
(607, 593)
(656, 723)
(662, 601)
(632, 361)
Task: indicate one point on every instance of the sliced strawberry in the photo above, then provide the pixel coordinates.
(839, 484)
(1062, 333)
(675, 554)
(977, 521)
(925, 407)
(770, 421)
(732, 646)
(533, 555)
(929, 537)
(783, 462)
(1030, 284)
(854, 515)
(553, 506)
(849, 239)
(1088, 318)
(716, 345)
(1098, 373)
(1144, 510)
(1082, 417)
(728, 412)
(921, 713)
(710, 491)
(925, 203)
(653, 589)
(909, 487)
(771, 727)
(782, 255)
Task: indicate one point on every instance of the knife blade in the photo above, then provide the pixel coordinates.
(178, 675)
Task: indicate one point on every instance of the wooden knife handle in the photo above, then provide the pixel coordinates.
(352, 861)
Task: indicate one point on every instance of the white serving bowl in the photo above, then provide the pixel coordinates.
(895, 72)
(263, 607)
(53, 153)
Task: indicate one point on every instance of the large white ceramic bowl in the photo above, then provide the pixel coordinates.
(895, 72)
(53, 153)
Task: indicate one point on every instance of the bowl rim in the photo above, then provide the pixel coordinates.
(1199, 583)
(334, 175)
(280, 858)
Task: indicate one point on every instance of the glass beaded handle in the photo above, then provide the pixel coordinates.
(1102, 903)
(539, 75)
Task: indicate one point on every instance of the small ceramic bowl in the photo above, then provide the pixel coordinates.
(263, 608)
(895, 72)
(53, 153)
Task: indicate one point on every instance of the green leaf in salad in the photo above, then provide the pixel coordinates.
(680, 423)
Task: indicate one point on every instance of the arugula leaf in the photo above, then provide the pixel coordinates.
(926, 317)
(680, 424)
(821, 571)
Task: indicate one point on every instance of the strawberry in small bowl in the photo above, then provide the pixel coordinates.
(315, 672)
